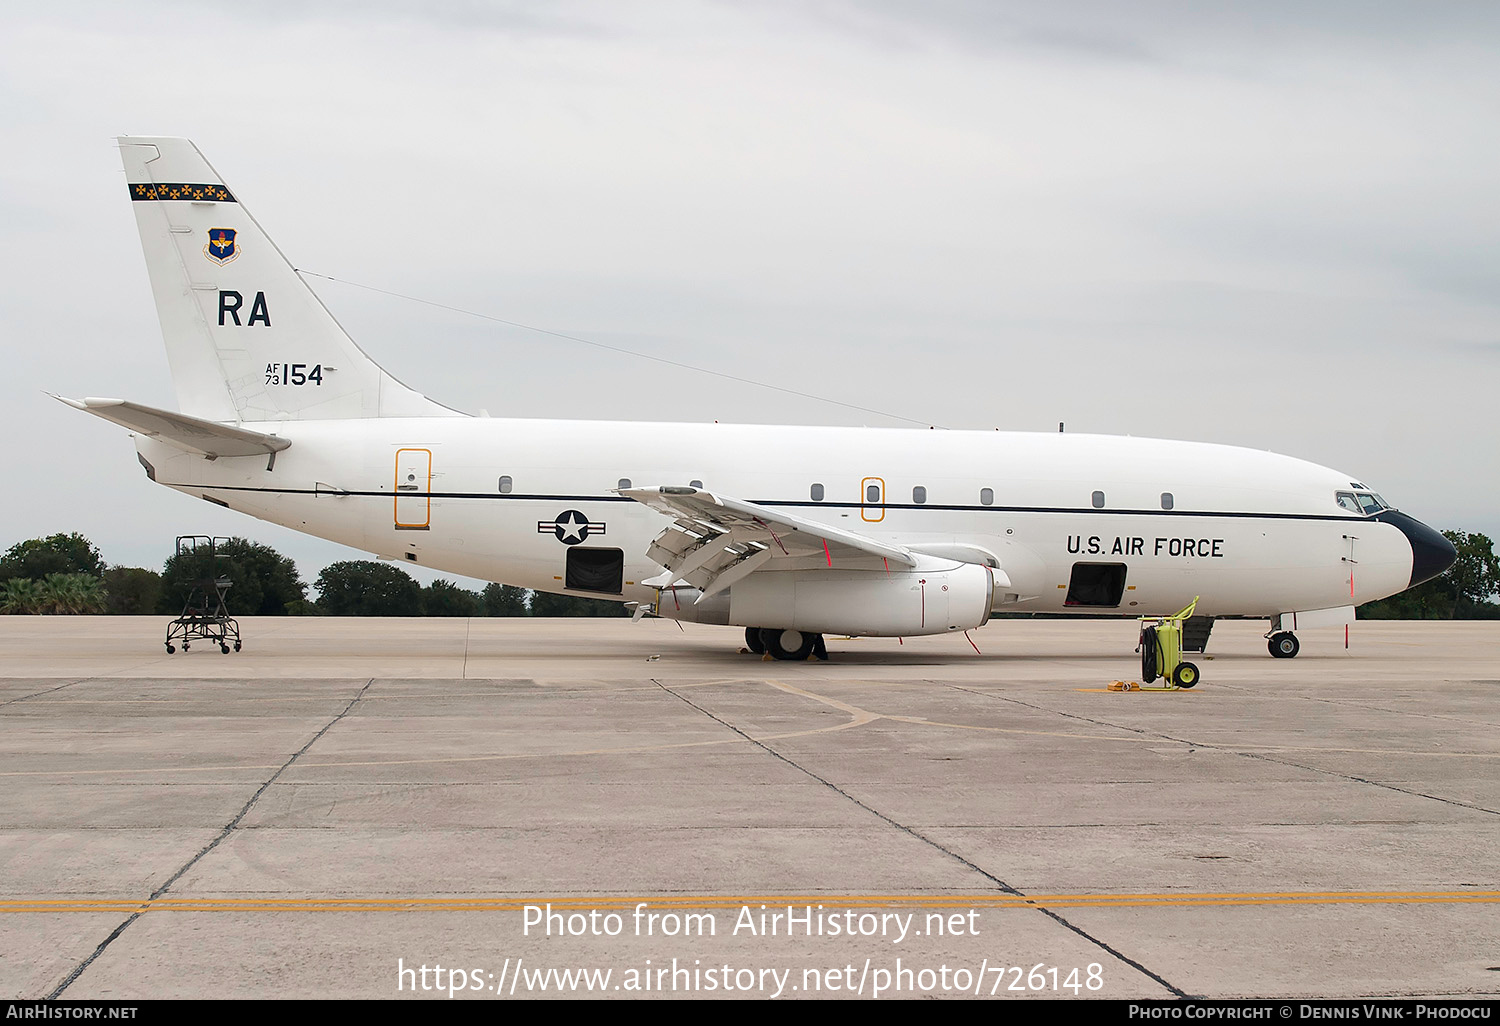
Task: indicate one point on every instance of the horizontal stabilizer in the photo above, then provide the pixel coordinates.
(187, 433)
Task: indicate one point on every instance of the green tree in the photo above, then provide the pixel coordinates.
(1475, 575)
(263, 582)
(280, 586)
(505, 600)
(361, 587)
(546, 604)
(186, 571)
(444, 598)
(55, 594)
(20, 596)
(132, 590)
(1461, 592)
(36, 558)
(73, 594)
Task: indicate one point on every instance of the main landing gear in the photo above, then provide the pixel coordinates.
(1284, 644)
(785, 644)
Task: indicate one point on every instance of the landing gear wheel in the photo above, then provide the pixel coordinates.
(753, 642)
(1185, 676)
(171, 649)
(788, 645)
(1284, 645)
(236, 646)
(224, 649)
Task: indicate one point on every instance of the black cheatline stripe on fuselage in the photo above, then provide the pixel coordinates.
(181, 191)
(788, 502)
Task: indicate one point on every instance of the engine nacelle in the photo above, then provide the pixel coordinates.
(939, 596)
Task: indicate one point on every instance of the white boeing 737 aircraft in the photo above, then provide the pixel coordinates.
(790, 532)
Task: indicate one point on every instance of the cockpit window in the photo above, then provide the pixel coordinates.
(1364, 503)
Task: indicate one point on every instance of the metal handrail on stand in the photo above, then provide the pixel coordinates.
(205, 616)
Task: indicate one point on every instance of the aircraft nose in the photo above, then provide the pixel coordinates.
(1431, 553)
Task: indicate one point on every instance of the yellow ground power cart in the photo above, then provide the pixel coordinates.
(1161, 650)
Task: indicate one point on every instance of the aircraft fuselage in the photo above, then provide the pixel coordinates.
(1250, 533)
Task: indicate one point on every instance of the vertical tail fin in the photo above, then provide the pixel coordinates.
(246, 338)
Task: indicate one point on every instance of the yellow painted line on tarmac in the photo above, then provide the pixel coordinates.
(771, 902)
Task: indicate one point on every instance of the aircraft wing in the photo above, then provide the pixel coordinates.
(190, 434)
(716, 540)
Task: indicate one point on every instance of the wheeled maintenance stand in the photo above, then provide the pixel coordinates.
(1161, 652)
(204, 615)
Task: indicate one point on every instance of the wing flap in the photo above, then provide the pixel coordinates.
(715, 540)
(190, 434)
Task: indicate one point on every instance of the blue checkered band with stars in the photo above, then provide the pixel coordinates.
(181, 191)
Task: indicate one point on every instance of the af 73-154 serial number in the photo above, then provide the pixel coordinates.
(294, 374)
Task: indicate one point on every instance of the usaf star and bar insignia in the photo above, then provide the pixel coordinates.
(570, 527)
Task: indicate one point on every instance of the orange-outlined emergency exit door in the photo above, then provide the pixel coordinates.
(413, 489)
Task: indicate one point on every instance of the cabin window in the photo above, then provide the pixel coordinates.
(1167, 502)
(816, 492)
(1098, 500)
(987, 496)
(1096, 584)
(505, 485)
(919, 494)
(601, 570)
(873, 510)
(624, 483)
(695, 484)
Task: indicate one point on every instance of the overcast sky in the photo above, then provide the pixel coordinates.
(1266, 224)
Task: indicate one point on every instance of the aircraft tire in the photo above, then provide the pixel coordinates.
(753, 642)
(786, 644)
(1284, 645)
(1185, 676)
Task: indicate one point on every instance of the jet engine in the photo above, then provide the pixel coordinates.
(936, 597)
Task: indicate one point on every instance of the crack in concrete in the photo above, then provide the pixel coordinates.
(210, 846)
(918, 835)
(1226, 749)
